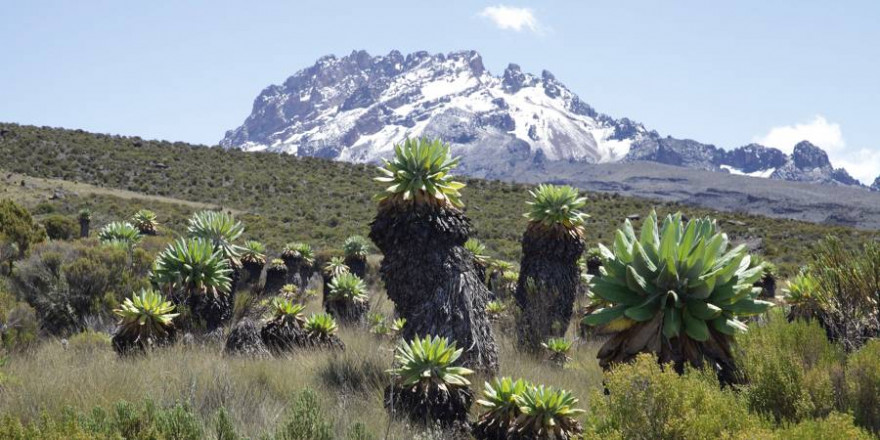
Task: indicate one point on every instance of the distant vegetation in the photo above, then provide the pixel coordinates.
(283, 198)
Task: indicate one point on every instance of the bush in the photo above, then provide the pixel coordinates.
(650, 401)
(17, 225)
(863, 385)
(21, 328)
(791, 369)
(67, 281)
(834, 427)
(59, 227)
(89, 341)
(305, 420)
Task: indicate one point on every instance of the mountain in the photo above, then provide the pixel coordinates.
(355, 108)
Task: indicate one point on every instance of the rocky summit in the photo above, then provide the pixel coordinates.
(357, 107)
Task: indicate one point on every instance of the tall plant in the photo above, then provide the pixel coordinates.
(549, 274)
(421, 230)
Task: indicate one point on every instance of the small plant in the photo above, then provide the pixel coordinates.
(300, 251)
(145, 221)
(335, 267)
(478, 249)
(145, 320)
(122, 233)
(419, 173)
(320, 325)
(85, 214)
(554, 206)
(356, 246)
(501, 409)
(428, 386)
(287, 311)
(377, 324)
(495, 309)
(397, 325)
(558, 349)
(220, 229)
(277, 264)
(253, 253)
(347, 287)
(289, 291)
(192, 266)
(547, 413)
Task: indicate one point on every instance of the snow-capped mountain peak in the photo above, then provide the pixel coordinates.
(355, 108)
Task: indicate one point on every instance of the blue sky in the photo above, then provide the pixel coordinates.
(726, 73)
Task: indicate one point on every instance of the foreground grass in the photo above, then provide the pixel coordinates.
(255, 393)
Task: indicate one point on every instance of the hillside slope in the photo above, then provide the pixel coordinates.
(283, 198)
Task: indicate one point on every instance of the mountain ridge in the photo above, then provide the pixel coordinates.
(355, 107)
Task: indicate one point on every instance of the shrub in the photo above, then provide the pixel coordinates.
(122, 233)
(863, 383)
(836, 426)
(651, 401)
(59, 227)
(305, 420)
(89, 341)
(67, 281)
(790, 369)
(21, 328)
(17, 226)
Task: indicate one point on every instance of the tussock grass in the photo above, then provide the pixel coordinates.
(256, 393)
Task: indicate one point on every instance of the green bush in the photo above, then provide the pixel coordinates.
(836, 426)
(21, 328)
(650, 401)
(89, 341)
(67, 281)
(863, 385)
(305, 420)
(791, 369)
(60, 227)
(17, 226)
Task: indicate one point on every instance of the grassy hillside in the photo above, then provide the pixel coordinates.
(283, 198)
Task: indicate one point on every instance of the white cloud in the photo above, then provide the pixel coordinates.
(512, 18)
(818, 131)
(863, 164)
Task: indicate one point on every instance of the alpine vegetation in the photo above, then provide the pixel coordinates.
(428, 386)
(549, 274)
(121, 233)
(428, 274)
(145, 322)
(193, 273)
(145, 221)
(356, 249)
(675, 291)
(348, 300)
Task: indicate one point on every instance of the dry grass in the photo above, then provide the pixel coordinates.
(256, 393)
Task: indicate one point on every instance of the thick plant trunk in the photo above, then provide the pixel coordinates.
(212, 310)
(283, 336)
(348, 312)
(306, 272)
(647, 337)
(244, 340)
(326, 288)
(293, 270)
(276, 278)
(446, 407)
(253, 270)
(548, 284)
(84, 228)
(357, 266)
(768, 286)
(326, 342)
(431, 279)
(127, 344)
